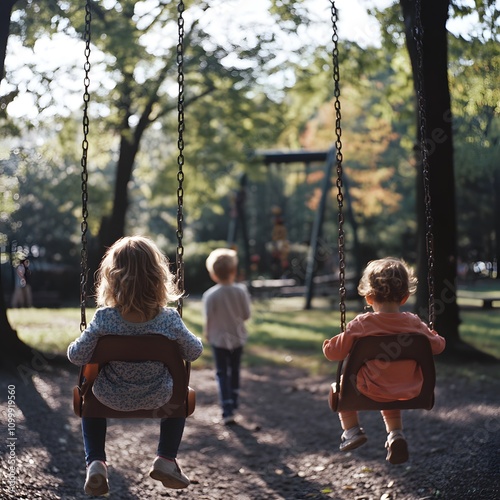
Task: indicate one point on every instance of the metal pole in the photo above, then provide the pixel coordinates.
(318, 226)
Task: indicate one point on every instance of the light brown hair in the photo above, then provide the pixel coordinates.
(387, 280)
(222, 262)
(134, 276)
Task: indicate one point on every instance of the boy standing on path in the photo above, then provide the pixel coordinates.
(226, 307)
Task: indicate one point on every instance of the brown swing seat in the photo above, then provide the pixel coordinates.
(344, 395)
(135, 348)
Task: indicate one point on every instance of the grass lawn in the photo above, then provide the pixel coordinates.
(281, 331)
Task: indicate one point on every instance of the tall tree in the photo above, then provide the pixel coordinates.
(439, 141)
(5, 13)
(12, 348)
(140, 52)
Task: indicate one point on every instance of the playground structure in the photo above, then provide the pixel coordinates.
(288, 285)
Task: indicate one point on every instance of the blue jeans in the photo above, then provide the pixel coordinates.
(94, 437)
(227, 366)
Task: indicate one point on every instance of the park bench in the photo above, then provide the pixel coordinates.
(484, 300)
(270, 287)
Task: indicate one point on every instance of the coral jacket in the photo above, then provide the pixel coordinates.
(379, 379)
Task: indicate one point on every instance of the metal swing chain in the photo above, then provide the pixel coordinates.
(84, 173)
(179, 260)
(339, 158)
(418, 34)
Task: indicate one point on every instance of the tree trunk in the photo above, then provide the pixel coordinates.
(113, 227)
(5, 13)
(12, 349)
(439, 140)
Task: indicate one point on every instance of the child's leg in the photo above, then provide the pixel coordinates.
(397, 448)
(165, 467)
(222, 363)
(235, 361)
(392, 420)
(348, 419)
(94, 439)
(171, 430)
(353, 436)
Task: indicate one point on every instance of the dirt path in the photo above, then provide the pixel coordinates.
(285, 447)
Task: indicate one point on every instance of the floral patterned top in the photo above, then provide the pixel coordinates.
(129, 386)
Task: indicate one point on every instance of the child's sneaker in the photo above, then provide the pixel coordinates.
(352, 438)
(229, 420)
(397, 447)
(96, 483)
(169, 473)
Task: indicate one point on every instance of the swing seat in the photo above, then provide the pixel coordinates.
(344, 394)
(135, 348)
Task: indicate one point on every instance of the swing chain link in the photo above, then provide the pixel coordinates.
(180, 158)
(418, 35)
(339, 158)
(84, 172)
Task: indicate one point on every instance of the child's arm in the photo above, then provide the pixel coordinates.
(80, 350)
(246, 303)
(437, 342)
(338, 347)
(190, 345)
(206, 317)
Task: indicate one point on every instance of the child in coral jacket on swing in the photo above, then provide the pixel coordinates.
(386, 285)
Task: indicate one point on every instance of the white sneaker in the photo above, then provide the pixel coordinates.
(230, 420)
(96, 483)
(169, 473)
(397, 448)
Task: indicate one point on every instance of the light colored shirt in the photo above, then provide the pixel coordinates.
(395, 380)
(226, 308)
(128, 386)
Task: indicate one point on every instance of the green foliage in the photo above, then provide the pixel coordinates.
(392, 26)
(6, 123)
(136, 64)
(377, 123)
(475, 80)
(242, 97)
(289, 12)
(40, 204)
(488, 15)
(474, 83)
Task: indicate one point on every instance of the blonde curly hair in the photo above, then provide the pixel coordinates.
(134, 277)
(387, 280)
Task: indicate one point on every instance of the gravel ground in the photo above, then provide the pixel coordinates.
(285, 445)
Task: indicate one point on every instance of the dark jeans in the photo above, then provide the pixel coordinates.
(227, 365)
(94, 437)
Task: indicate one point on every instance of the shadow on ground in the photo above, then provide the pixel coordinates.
(285, 445)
